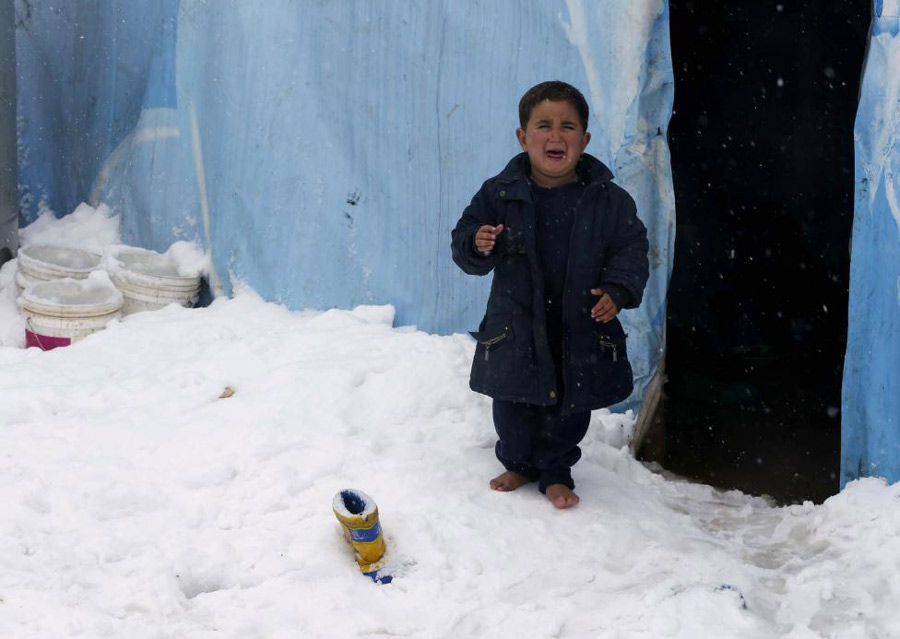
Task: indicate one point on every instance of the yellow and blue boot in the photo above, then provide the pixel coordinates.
(358, 515)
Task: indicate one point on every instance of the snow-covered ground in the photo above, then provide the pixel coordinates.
(136, 502)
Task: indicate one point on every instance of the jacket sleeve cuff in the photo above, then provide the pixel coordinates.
(478, 251)
(619, 294)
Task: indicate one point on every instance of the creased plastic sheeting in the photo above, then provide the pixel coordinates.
(9, 238)
(870, 426)
(83, 72)
(338, 142)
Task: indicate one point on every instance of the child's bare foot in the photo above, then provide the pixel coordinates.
(561, 496)
(505, 482)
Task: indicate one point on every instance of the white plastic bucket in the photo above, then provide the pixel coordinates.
(149, 280)
(43, 263)
(60, 312)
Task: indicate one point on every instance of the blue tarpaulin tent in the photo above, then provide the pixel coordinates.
(323, 151)
(870, 444)
(8, 228)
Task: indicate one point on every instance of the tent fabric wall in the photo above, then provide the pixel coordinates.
(83, 69)
(322, 152)
(9, 234)
(870, 427)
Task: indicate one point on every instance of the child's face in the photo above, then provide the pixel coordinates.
(554, 140)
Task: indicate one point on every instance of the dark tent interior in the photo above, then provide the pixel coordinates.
(762, 156)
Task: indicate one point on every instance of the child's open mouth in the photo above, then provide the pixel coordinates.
(556, 154)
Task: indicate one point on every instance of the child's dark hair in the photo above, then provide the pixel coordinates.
(555, 91)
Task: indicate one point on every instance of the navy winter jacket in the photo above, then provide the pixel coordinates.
(608, 248)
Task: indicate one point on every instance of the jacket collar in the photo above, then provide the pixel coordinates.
(516, 174)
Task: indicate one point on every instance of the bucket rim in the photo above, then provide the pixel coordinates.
(115, 266)
(49, 309)
(137, 281)
(25, 257)
(29, 301)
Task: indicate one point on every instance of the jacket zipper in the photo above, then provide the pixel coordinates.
(604, 344)
(565, 354)
(490, 342)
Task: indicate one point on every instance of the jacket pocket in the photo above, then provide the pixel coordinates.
(487, 342)
(600, 373)
(503, 362)
(612, 347)
(494, 365)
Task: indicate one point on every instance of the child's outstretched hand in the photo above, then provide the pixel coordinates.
(486, 236)
(605, 309)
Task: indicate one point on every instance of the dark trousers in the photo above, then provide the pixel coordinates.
(539, 443)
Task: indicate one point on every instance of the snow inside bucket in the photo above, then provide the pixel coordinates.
(63, 311)
(43, 262)
(150, 280)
